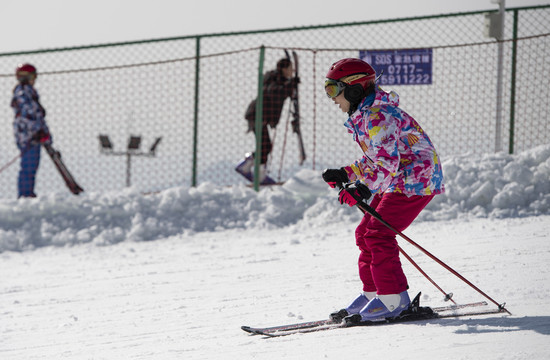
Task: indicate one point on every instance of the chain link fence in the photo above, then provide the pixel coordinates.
(192, 92)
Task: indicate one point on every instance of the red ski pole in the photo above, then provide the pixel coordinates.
(370, 210)
(10, 162)
(448, 296)
(366, 208)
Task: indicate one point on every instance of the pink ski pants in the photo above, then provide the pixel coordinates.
(379, 265)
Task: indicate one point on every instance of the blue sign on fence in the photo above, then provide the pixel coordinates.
(401, 67)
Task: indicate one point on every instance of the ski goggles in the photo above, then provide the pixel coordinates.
(26, 75)
(333, 88)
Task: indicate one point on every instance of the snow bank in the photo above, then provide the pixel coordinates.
(495, 185)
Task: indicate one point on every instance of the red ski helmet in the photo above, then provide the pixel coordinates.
(352, 66)
(25, 71)
(353, 76)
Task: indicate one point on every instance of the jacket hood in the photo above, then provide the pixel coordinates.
(381, 99)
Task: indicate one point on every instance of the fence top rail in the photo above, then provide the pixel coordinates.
(312, 50)
(252, 32)
(149, 63)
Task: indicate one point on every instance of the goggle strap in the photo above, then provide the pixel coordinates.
(378, 77)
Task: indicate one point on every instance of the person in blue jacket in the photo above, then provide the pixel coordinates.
(29, 127)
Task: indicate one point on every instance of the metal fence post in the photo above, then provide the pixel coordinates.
(500, 37)
(196, 111)
(513, 83)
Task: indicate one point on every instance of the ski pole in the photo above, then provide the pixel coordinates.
(448, 296)
(10, 162)
(21, 153)
(370, 210)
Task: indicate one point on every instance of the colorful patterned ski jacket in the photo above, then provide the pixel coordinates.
(29, 115)
(398, 154)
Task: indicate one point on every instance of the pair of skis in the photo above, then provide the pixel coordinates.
(414, 313)
(296, 111)
(65, 174)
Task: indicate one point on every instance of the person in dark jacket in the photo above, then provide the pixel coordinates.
(278, 85)
(29, 127)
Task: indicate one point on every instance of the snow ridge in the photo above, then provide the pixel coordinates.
(492, 186)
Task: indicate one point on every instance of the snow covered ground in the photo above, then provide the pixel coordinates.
(174, 275)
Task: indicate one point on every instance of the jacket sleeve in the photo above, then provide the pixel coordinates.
(378, 167)
(29, 116)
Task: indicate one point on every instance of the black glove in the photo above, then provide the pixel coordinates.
(41, 137)
(335, 177)
(353, 194)
(295, 80)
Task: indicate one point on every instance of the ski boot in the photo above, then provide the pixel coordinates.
(246, 169)
(381, 308)
(354, 308)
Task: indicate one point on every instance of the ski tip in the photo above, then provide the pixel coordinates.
(254, 331)
(249, 330)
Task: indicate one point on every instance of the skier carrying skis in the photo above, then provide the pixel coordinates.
(278, 85)
(29, 127)
(401, 169)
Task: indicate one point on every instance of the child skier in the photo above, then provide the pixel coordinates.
(401, 169)
(29, 127)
